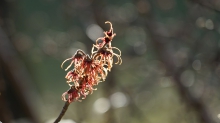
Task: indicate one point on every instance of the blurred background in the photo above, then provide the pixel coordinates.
(170, 50)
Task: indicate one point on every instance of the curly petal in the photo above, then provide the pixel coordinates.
(65, 61)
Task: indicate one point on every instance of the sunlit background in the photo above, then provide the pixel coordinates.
(170, 50)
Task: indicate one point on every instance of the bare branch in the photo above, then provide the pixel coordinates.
(65, 107)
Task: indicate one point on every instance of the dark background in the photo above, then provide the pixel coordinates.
(170, 50)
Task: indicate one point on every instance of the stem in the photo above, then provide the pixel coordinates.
(65, 107)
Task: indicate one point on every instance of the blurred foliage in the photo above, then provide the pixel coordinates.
(45, 32)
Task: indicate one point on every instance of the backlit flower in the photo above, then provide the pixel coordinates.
(105, 55)
(89, 70)
(72, 93)
(109, 35)
(73, 76)
(77, 59)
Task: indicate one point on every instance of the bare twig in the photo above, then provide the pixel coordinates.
(65, 107)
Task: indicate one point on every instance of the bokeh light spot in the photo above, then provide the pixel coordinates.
(94, 31)
(188, 78)
(118, 100)
(209, 24)
(101, 105)
(200, 22)
(196, 65)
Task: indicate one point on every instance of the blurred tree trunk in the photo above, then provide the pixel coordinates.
(16, 92)
(165, 55)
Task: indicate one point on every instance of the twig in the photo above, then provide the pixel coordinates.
(65, 107)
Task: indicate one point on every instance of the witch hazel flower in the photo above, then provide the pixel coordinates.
(89, 70)
(109, 35)
(105, 56)
(77, 59)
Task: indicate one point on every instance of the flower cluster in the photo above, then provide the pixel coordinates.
(89, 70)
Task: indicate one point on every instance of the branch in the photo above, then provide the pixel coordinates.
(65, 107)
